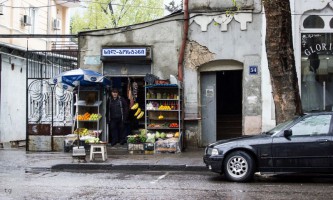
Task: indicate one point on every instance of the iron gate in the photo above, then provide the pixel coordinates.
(49, 108)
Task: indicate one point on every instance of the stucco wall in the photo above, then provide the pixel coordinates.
(13, 95)
(233, 43)
(164, 37)
(239, 40)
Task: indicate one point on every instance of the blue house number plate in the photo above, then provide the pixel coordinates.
(253, 70)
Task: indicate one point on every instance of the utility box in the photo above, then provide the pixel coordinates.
(26, 20)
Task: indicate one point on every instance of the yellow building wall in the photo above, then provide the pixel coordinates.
(42, 13)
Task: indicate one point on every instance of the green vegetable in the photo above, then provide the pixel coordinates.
(136, 139)
(143, 138)
(157, 134)
(131, 139)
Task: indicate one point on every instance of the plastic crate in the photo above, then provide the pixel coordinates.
(149, 146)
(135, 147)
(167, 145)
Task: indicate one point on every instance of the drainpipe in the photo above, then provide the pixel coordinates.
(182, 49)
(0, 78)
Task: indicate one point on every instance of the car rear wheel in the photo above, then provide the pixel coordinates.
(238, 166)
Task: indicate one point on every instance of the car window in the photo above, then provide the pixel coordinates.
(313, 125)
(280, 127)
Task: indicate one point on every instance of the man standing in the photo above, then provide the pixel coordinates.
(116, 116)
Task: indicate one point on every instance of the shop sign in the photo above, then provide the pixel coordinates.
(319, 43)
(124, 52)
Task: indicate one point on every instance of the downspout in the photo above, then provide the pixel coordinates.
(27, 98)
(0, 78)
(182, 49)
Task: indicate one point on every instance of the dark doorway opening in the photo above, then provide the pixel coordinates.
(122, 84)
(229, 104)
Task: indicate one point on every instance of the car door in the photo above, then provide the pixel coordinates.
(309, 147)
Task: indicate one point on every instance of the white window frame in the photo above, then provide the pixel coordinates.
(33, 13)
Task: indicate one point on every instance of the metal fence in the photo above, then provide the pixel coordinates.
(49, 108)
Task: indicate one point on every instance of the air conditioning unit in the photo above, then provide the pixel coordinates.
(56, 24)
(26, 20)
(1, 9)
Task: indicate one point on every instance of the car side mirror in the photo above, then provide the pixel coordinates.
(287, 133)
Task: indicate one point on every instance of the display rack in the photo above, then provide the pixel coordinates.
(163, 116)
(89, 102)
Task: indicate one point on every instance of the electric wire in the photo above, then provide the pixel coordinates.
(116, 4)
(81, 6)
(27, 7)
(160, 22)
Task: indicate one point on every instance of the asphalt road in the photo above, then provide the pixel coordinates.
(39, 184)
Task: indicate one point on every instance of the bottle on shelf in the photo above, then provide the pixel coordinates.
(172, 105)
(164, 96)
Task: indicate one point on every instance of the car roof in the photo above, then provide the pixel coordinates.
(318, 112)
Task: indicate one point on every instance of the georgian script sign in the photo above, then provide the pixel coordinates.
(124, 52)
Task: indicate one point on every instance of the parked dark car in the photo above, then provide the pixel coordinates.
(303, 145)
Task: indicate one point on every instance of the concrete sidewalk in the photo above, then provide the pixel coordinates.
(118, 159)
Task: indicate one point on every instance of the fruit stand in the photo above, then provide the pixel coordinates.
(163, 121)
(164, 116)
(89, 104)
(86, 137)
(88, 119)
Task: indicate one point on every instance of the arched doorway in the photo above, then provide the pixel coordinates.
(221, 100)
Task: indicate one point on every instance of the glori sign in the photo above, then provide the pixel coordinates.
(124, 52)
(320, 43)
(317, 48)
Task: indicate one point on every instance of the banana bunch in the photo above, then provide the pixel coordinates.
(139, 113)
(135, 106)
(81, 131)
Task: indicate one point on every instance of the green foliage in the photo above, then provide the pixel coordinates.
(231, 11)
(101, 14)
(136, 139)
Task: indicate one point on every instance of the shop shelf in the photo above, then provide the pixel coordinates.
(83, 103)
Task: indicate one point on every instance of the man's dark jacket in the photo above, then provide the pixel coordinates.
(116, 109)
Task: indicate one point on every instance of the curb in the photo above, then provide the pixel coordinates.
(134, 167)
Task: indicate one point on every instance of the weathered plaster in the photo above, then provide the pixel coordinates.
(218, 5)
(252, 96)
(252, 125)
(252, 87)
(196, 55)
(192, 134)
